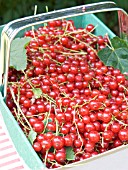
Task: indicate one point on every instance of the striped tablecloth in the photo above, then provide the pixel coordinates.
(9, 158)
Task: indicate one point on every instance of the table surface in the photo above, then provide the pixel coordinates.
(9, 158)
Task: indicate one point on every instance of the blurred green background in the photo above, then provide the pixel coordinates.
(13, 9)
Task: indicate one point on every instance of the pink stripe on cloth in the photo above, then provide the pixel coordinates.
(2, 134)
(8, 154)
(6, 147)
(9, 158)
(9, 162)
(17, 168)
(3, 141)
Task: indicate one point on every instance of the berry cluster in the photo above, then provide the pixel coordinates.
(68, 96)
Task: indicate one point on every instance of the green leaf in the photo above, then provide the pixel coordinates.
(126, 76)
(47, 120)
(51, 149)
(37, 92)
(32, 136)
(70, 155)
(118, 43)
(18, 57)
(117, 56)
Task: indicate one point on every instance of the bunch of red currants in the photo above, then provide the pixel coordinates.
(68, 96)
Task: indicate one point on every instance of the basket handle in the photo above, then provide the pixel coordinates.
(11, 29)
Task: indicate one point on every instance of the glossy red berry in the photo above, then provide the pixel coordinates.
(123, 134)
(94, 136)
(58, 142)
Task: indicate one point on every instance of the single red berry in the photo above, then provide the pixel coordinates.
(60, 157)
(123, 134)
(58, 142)
(94, 136)
(68, 140)
(38, 126)
(37, 146)
(46, 144)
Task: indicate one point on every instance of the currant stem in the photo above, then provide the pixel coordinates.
(57, 126)
(124, 124)
(18, 107)
(47, 117)
(102, 142)
(20, 120)
(45, 159)
(77, 129)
